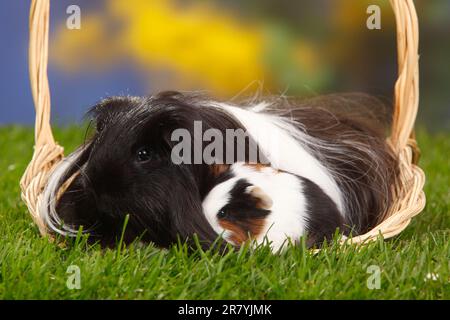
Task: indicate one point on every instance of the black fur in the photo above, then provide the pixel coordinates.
(242, 205)
(163, 200)
(323, 215)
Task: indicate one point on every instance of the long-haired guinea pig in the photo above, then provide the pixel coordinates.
(259, 203)
(125, 168)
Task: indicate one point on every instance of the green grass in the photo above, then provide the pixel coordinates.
(31, 267)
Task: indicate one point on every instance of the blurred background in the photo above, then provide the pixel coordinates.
(226, 48)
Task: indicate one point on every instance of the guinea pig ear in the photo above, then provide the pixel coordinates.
(109, 108)
(263, 199)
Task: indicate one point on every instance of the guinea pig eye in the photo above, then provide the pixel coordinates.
(143, 154)
(100, 126)
(221, 214)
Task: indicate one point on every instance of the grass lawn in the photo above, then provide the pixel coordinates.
(414, 265)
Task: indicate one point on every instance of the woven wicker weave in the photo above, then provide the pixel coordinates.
(410, 198)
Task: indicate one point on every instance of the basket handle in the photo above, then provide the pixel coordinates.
(38, 59)
(47, 153)
(407, 85)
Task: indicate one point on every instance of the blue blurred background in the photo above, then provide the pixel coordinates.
(224, 47)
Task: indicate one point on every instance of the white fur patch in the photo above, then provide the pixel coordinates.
(286, 147)
(47, 208)
(216, 199)
(287, 219)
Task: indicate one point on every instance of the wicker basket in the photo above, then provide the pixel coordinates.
(410, 198)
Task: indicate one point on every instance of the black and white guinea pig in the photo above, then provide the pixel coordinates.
(126, 169)
(260, 203)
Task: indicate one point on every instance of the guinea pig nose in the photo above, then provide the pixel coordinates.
(105, 179)
(107, 188)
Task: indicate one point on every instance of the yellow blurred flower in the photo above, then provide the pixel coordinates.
(182, 45)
